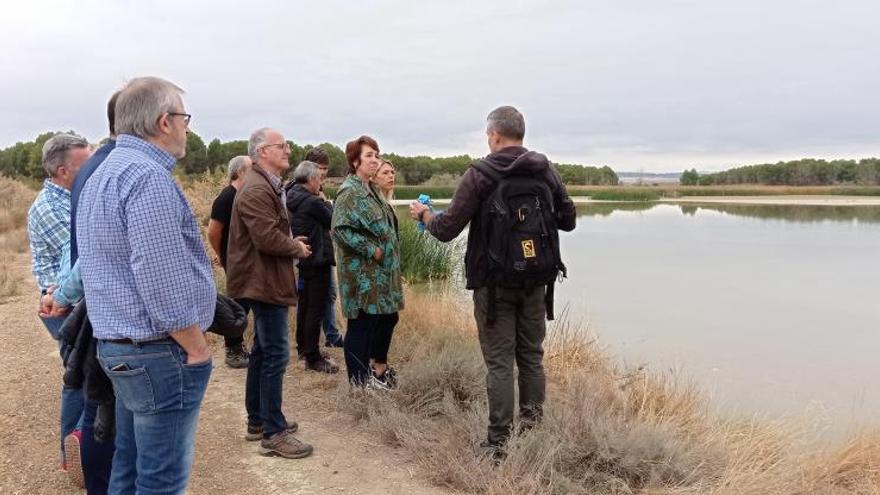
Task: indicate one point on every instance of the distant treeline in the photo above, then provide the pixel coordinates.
(806, 172)
(23, 159)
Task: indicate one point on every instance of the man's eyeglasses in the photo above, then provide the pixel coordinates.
(284, 146)
(186, 117)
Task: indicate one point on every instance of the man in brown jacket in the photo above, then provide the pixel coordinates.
(259, 270)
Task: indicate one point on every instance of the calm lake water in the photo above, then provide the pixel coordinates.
(772, 309)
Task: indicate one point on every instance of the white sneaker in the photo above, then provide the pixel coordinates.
(376, 384)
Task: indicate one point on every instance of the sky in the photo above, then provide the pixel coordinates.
(638, 85)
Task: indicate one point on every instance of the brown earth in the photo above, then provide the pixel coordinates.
(346, 458)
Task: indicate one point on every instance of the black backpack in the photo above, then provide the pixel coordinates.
(520, 234)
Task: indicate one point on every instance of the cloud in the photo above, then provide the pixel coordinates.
(639, 84)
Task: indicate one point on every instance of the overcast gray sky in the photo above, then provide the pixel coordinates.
(651, 85)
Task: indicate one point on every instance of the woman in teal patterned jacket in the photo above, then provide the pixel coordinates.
(368, 258)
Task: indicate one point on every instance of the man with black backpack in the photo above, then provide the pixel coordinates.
(516, 204)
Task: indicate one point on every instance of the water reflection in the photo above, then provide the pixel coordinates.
(772, 307)
(789, 213)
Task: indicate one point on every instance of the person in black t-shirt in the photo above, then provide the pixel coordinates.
(218, 237)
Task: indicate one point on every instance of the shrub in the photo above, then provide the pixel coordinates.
(626, 195)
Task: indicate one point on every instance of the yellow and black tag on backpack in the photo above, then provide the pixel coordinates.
(528, 247)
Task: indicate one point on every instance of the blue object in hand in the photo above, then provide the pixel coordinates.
(425, 200)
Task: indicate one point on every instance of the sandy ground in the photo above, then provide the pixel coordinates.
(805, 200)
(346, 458)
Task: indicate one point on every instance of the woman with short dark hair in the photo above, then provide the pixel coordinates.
(368, 259)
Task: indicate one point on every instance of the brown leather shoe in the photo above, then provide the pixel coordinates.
(284, 444)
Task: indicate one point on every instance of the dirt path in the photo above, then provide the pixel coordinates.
(346, 459)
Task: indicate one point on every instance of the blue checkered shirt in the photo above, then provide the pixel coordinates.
(48, 231)
(144, 267)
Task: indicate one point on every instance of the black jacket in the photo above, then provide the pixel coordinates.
(82, 369)
(310, 216)
(230, 319)
(475, 188)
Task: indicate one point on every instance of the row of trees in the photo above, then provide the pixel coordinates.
(23, 159)
(806, 172)
(587, 176)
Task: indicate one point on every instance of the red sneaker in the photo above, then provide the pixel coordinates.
(71, 462)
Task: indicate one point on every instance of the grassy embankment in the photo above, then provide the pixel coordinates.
(652, 193)
(607, 430)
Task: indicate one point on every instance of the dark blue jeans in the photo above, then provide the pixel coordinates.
(71, 399)
(265, 377)
(97, 457)
(158, 397)
(331, 333)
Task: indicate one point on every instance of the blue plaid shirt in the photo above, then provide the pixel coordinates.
(144, 268)
(48, 231)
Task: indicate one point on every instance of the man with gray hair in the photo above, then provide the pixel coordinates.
(150, 290)
(333, 338)
(48, 233)
(218, 237)
(310, 215)
(515, 203)
(260, 270)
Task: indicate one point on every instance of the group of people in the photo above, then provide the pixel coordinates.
(113, 230)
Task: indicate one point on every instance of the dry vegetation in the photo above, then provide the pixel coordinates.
(606, 430)
(15, 199)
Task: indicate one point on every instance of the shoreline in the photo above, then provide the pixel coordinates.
(803, 200)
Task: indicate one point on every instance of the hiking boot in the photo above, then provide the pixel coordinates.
(72, 462)
(493, 450)
(284, 444)
(237, 357)
(335, 343)
(255, 432)
(322, 366)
